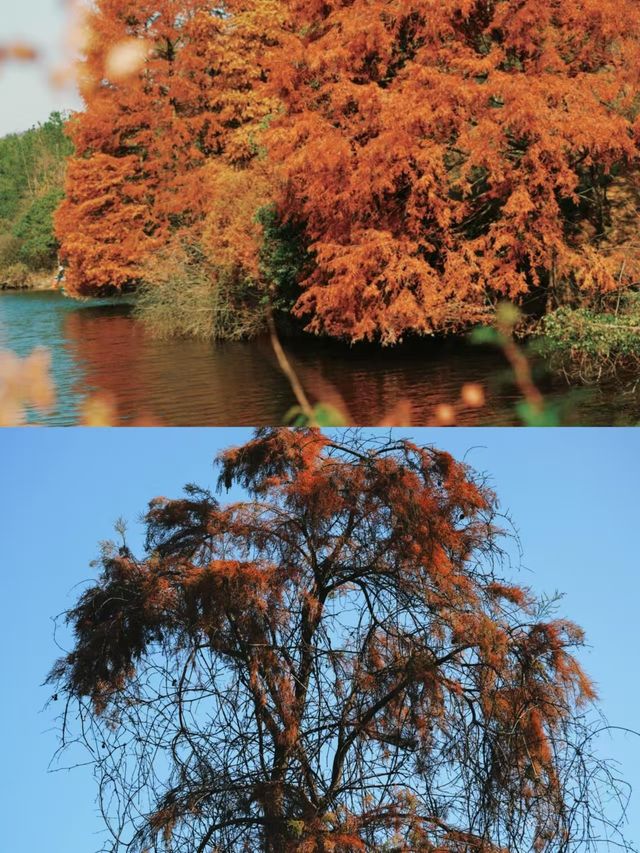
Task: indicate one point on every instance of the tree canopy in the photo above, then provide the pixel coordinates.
(333, 663)
(167, 88)
(444, 155)
(433, 157)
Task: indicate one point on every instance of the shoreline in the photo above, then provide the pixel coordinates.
(38, 282)
(569, 359)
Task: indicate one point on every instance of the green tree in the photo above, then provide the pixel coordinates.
(32, 169)
(34, 229)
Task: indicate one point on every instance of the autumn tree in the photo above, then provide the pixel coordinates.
(211, 279)
(331, 664)
(167, 88)
(431, 159)
(446, 155)
(124, 141)
(143, 131)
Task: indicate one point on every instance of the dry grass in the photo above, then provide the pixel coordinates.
(188, 296)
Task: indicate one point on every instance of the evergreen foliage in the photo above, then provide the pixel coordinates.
(32, 167)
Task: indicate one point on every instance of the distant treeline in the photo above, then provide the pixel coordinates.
(32, 168)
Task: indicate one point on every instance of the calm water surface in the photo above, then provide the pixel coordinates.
(98, 347)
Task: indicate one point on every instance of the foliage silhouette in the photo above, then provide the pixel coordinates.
(331, 664)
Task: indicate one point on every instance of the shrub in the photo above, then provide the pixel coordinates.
(284, 257)
(15, 275)
(9, 250)
(588, 345)
(186, 295)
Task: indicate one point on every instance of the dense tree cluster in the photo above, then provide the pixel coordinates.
(331, 664)
(424, 160)
(32, 166)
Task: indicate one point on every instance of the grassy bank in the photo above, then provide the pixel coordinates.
(188, 296)
(587, 345)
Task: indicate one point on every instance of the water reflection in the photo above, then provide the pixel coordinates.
(372, 383)
(99, 347)
(179, 382)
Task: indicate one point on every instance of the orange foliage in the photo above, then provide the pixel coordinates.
(438, 156)
(138, 138)
(436, 151)
(167, 91)
(104, 224)
(238, 180)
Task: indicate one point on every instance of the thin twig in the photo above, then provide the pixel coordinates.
(287, 369)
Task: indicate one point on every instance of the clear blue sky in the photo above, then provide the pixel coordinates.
(572, 493)
(26, 94)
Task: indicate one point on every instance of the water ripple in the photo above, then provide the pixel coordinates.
(100, 347)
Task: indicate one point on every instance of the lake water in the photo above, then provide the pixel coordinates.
(99, 347)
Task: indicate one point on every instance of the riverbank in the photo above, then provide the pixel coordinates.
(45, 281)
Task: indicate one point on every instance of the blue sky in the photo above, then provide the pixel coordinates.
(572, 493)
(26, 95)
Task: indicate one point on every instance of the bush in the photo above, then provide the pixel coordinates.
(588, 345)
(186, 295)
(9, 250)
(15, 275)
(285, 258)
